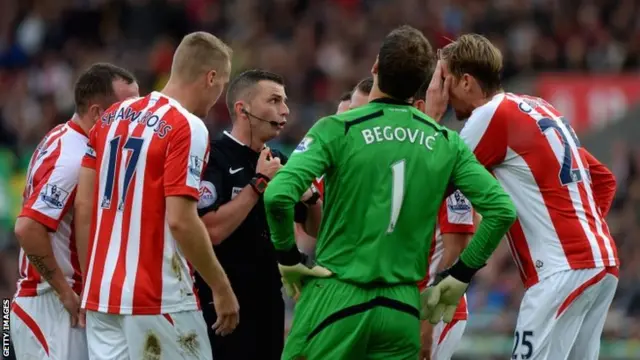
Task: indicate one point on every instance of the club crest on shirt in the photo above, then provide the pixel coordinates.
(304, 145)
(208, 194)
(458, 204)
(195, 166)
(53, 196)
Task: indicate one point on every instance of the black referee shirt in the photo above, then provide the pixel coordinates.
(247, 255)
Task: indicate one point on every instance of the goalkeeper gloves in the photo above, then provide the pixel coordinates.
(440, 300)
(294, 267)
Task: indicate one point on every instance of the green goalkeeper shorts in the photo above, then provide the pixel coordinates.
(336, 320)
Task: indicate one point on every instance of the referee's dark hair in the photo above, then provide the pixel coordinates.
(404, 61)
(240, 87)
(95, 85)
(365, 85)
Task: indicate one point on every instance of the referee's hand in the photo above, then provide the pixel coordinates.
(227, 311)
(268, 165)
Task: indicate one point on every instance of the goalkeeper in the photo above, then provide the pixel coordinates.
(387, 168)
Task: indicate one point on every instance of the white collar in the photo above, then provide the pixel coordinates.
(233, 138)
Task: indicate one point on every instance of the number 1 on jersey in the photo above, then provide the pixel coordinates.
(397, 193)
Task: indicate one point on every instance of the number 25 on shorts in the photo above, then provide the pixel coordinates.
(522, 345)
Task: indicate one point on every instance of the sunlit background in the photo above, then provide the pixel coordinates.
(582, 56)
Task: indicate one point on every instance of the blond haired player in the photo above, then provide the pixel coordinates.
(561, 243)
(140, 182)
(45, 322)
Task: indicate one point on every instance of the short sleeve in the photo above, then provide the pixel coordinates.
(485, 133)
(212, 190)
(456, 215)
(187, 151)
(89, 158)
(51, 199)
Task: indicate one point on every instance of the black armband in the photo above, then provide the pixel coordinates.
(460, 271)
(300, 213)
(289, 257)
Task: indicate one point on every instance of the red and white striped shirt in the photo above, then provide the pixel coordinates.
(143, 150)
(455, 217)
(537, 158)
(48, 199)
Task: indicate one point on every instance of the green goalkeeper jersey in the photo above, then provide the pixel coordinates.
(387, 168)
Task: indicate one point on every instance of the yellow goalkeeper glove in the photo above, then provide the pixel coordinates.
(440, 300)
(293, 275)
(294, 268)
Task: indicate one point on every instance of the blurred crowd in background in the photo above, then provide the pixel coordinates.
(322, 48)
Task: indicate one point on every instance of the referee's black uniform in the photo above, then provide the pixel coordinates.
(248, 258)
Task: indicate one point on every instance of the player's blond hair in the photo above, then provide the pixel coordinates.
(198, 53)
(475, 55)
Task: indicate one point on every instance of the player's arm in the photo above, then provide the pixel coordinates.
(603, 182)
(312, 158)
(47, 204)
(84, 202)
(223, 216)
(83, 210)
(457, 228)
(183, 169)
(490, 200)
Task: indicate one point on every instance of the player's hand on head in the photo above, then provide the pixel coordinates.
(267, 164)
(227, 311)
(437, 96)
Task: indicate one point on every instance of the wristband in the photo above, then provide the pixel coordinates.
(259, 183)
(314, 197)
(460, 271)
(289, 257)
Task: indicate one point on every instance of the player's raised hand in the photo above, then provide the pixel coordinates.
(71, 302)
(437, 96)
(268, 165)
(227, 311)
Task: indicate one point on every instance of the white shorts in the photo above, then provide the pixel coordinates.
(562, 316)
(41, 329)
(181, 335)
(446, 338)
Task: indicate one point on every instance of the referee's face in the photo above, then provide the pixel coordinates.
(270, 103)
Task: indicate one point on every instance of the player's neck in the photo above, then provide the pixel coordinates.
(244, 136)
(377, 94)
(181, 94)
(84, 122)
(484, 99)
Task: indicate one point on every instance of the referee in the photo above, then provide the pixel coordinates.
(239, 170)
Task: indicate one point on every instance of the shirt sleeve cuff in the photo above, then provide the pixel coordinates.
(50, 223)
(182, 191)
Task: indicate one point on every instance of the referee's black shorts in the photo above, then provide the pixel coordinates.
(260, 333)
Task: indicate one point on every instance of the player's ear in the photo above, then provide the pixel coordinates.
(95, 112)
(211, 78)
(374, 68)
(420, 105)
(239, 109)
